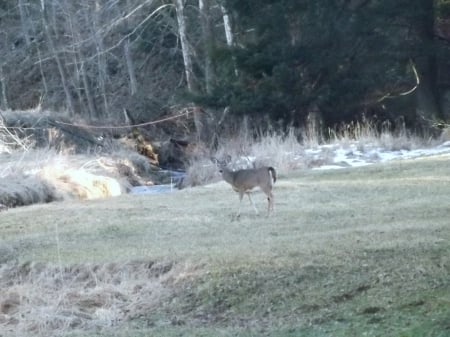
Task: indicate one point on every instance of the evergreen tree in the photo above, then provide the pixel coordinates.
(346, 58)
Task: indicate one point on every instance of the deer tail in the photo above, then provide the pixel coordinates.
(273, 172)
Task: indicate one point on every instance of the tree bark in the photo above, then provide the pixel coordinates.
(182, 31)
(227, 26)
(130, 67)
(77, 72)
(4, 99)
(101, 59)
(59, 63)
(427, 95)
(41, 70)
(229, 34)
(208, 43)
(428, 108)
(129, 58)
(24, 22)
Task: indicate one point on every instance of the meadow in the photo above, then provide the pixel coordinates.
(350, 252)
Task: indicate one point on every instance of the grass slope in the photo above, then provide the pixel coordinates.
(357, 252)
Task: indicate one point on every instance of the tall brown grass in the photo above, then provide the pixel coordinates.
(39, 176)
(286, 149)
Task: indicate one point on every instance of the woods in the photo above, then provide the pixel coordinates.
(281, 60)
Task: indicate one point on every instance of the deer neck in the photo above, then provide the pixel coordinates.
(228, 176)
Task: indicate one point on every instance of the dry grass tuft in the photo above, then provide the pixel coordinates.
(41, 300)
(199, 172)
(38, 176)
(371, 134)
(21, 190)
(282, 151)
(39, 128)
(81, 184)
(44, 176)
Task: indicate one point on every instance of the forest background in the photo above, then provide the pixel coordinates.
(276, 61)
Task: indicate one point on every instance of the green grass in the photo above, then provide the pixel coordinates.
(351, 252)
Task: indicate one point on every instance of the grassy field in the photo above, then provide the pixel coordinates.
(351, 252)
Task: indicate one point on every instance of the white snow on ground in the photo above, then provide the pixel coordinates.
(154, 189)
(352, 156)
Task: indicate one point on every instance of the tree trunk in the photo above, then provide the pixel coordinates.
(24, 22)
(208, 43)
(229, 34)
(129, 58)
(77, 66)
(182, 31)
(427, 94)
(4, 99)
(130, 67)
(59, 63)
(87, 90)
(227, 26)
(41, 70)
(101, 58)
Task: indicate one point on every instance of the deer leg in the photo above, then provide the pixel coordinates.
(241, 195)
(270, 202)
(253, 204)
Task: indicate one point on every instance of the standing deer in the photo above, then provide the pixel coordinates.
(244, 181)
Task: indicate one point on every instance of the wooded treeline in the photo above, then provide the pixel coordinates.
(283, 60)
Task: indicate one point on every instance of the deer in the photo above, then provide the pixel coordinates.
(245, 180)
